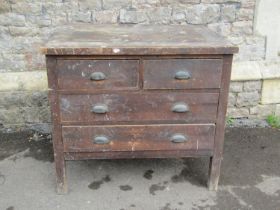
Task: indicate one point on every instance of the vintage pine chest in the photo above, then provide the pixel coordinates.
(138, 91)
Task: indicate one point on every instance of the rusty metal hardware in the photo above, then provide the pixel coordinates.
(101, 139)
(97, 76)
(179, 138)
(180, 108)
(182, 75)
(100, 109)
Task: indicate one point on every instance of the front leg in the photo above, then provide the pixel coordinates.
(60, 165)
(214, 173)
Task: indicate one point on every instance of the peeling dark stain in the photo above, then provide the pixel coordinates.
(185, 175)
(39, 146)
(96, 184)
(195, 172)
(42, 151)
(156, 187)
(107, 178)
(148, 174)
(125, 187)
(263, 147)
(255, 145)
(180, 203)
(166, 207)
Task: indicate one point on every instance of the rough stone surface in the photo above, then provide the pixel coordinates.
(271, 91)
(277, 110)
(33, 80)
(203, 14)
(221, 28)
(245, 14)
(114, 4)
(85, 17)
(242, 28)
(252, 86)
(89, 4)
(4, 6)
(253, 48)
(236, 87)
(262, 111)
(246, 71)
(12, 19)
(271, 70)
(228, 13)
(127, 16)
(249, 123)
(107, 16)
(247, 99)
(26, 25)
(234, 112)
(20, 108)
(231, 99)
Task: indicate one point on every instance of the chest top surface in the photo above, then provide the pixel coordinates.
(89, 39)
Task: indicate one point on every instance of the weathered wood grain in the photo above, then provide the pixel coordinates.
(203, 73)
(216, 159)
(76, 74)
(139, 107)
(138, 154)
(60, 165)
(139, 95)
(138, 137)
(87, 39)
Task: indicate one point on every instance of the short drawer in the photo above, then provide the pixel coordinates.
(182, 73)
(97, 74)
(156, 106)
(138, 137)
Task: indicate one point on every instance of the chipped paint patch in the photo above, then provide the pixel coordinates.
(116, 50)
(125, 187)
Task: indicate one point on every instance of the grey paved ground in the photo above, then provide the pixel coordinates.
(250, 177)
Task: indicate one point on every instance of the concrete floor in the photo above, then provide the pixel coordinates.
(250, 177)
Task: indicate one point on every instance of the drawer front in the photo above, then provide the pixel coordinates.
(138, 137)
(182, 73)
(97, 74)
(140, 107)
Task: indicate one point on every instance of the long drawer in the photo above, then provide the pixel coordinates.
(182, 73)
(138, 137)
(139, 107)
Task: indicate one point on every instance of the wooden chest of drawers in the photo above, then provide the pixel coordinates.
(138, 92)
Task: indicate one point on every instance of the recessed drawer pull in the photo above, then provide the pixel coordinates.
(179, 138)
(182, 75)
(101, 140)
(97, 76)
(100, 109)
(180, 108)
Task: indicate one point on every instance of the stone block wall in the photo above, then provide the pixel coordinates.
(245, 101)
(25, 25)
